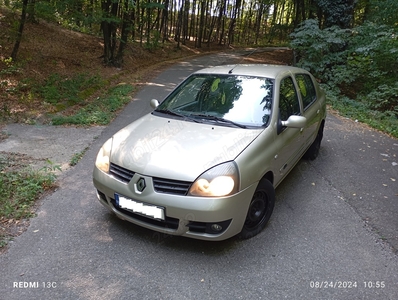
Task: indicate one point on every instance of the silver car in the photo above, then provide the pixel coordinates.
(205, 163)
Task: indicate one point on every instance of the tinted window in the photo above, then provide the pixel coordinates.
(307, 89)
(288, 100)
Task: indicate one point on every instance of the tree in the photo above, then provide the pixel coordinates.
(337, 12)
(109, 27)
(383, 12)
(233, 21)
(20, 30)
(220, 27)
(245, 22)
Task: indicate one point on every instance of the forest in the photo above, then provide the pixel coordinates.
(351, 46)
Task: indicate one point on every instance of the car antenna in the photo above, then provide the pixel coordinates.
(230, 71)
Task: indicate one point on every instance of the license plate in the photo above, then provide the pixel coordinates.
(148, 210)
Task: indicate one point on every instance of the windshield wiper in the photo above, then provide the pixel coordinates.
(173, 113)
(219, 119)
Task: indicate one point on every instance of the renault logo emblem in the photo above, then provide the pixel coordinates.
(141, 184)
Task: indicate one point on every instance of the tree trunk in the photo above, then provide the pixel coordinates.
(203, 5)
(231, 28)
(20, 30)
(110, 10)
(127, 24)
(179, 24)
(165, 21)
(185, 21)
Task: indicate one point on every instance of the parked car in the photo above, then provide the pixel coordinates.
(206, 161)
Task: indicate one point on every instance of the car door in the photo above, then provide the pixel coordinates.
(289, 140)
(311, 108)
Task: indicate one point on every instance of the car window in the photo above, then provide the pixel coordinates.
(288, 100)
(187, 95)
(307, 89)
(246, 100)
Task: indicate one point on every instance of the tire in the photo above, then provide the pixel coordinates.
(313, 150)
(260, 210)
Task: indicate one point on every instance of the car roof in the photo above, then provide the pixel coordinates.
(262, 70)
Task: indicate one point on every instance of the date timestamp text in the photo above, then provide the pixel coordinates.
(340, 284)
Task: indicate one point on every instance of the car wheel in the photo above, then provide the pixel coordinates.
(260, 210)
(313, 150)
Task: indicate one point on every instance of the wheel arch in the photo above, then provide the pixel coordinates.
(322, 126)
(269, 176)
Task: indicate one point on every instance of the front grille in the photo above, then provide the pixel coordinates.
(161, 185)
(169, 222)
(170, 186)
(120, 173)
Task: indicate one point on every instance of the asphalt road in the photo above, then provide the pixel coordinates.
(333, 234)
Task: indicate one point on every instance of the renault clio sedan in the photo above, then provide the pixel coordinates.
(206, 161)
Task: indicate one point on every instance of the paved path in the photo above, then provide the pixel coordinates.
(332, 234)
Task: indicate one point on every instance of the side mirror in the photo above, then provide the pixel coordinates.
(154, 103)
(295, 122)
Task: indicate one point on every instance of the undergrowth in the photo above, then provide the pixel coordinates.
(101, 110)
(357, 67)
(20, 186)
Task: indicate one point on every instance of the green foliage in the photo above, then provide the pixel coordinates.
(319, 50)
(77, 157)
(374, 51)
(336, 12)
(101, 111)
(46, 10)
(21, 185)
(383, 98)
(359, 67)
(10, 69)
(384, 12)
(360, 111)
(154, 42)
(69, 91)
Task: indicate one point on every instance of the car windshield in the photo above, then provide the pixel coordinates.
(228, 100)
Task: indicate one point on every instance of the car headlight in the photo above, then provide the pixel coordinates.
(221, 180)
(103, 157)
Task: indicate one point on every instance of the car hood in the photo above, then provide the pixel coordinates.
(177, 149)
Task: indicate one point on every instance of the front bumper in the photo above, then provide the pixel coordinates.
(194, 217)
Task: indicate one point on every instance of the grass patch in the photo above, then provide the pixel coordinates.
(20, 187)
(77, 157)
(375, 119)
(101, 111)
(61, 90)
(386, 121)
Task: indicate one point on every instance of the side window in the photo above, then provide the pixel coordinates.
(288, 100)
(307, 89)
